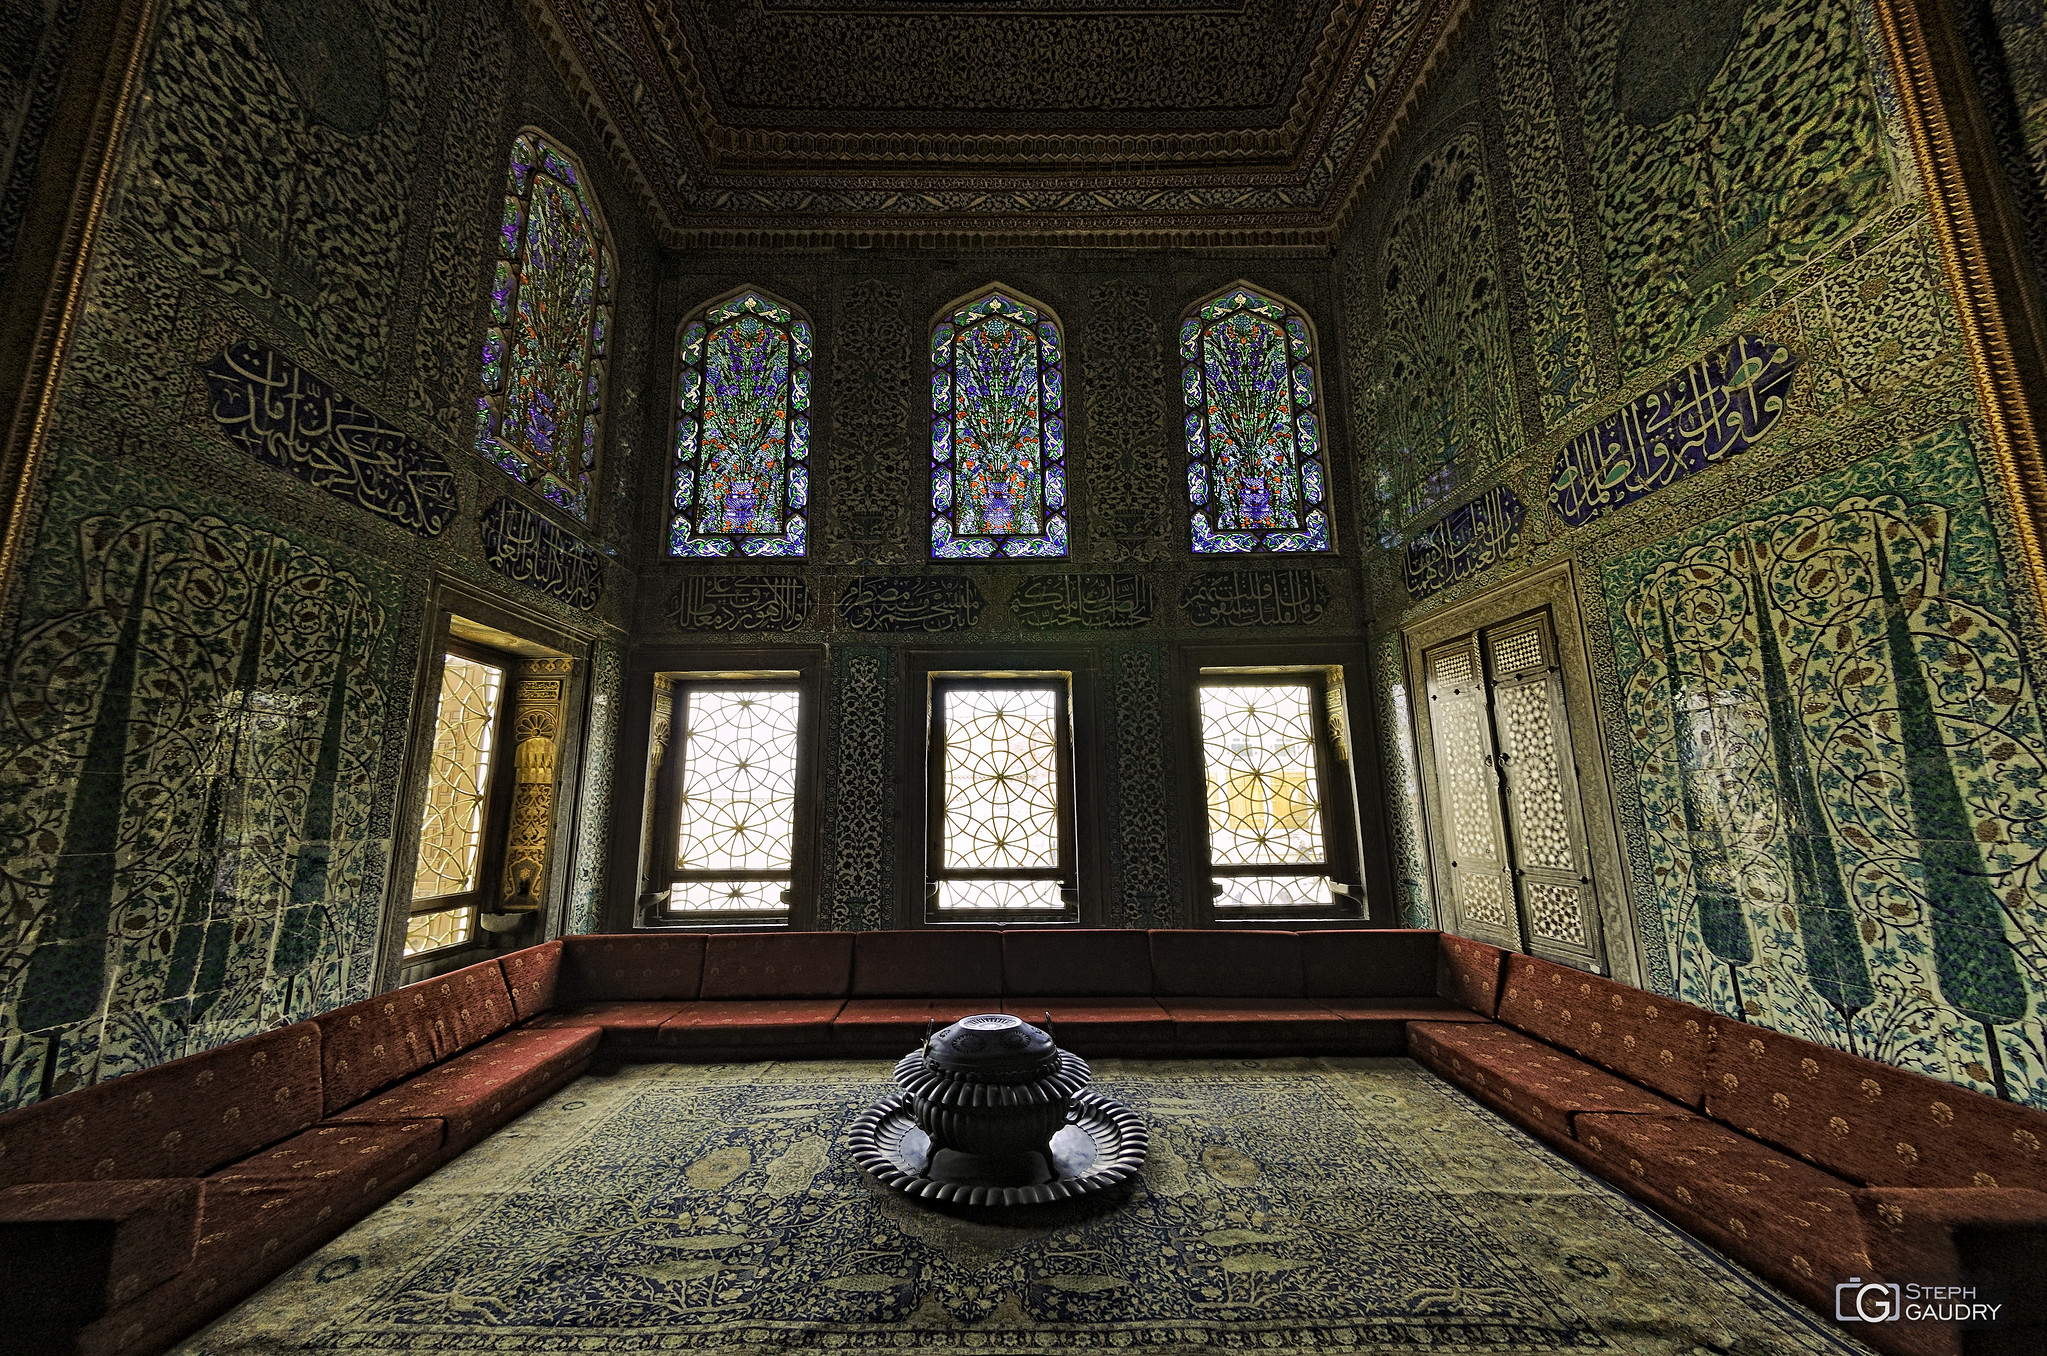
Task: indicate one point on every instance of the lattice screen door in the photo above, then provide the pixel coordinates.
(1520, 870)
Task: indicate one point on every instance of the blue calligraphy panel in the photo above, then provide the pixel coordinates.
(528, 549)
(1470, 538)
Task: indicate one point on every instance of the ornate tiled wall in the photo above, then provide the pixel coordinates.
(1738, 403)
(260, 454)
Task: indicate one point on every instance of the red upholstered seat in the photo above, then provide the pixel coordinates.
(1368, 963)
(532, 975)
(1869, 1122)
(1225, 963)
(1081, 962)
(181, 1119)
(372, 1044)
(147, 1228)
(1790, 1221)
(766, 1024)
(601, 968)
(894, 1025)
(1535, 1084)
(778, 965)
(1091, 1026)
(1468, 972)
(350, 1168)
(927, 963)
(474, 1093)
(630, 1024)
(1645, 1037)
(1253, 1021)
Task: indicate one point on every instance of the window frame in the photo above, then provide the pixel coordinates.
(497, 803)
(1355, 853)
(639, 816)
(1066, 871)
(666, 835)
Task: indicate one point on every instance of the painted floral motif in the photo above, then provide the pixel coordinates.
(1841, 761)
(742, 431)
(550, 317)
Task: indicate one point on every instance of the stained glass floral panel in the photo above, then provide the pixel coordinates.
(742, 431)
(1256, 478)
(998, 432)
(544, 353)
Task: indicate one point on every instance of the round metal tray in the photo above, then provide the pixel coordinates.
(1103, 1145)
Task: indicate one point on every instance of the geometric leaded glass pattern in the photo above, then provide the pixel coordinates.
(1273, 892)
(998, 437)
(742, 431)
(451, 827)
(1256, 479)
(737, 818)
(550, 321)
(1543, 835)
(442, 928)
(998, 837)
(1258, 741)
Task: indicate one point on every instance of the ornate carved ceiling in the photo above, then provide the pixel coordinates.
(984, 122)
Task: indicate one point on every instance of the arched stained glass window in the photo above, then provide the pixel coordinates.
(550, 319)
(998, 438)
(742, 430)
(1256, 480)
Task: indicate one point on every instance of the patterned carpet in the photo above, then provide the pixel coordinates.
(1290, 1206)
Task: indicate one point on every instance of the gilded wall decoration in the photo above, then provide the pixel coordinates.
(1839, 748)
(917, 602)
(528, 549)
(286, 417)
(742, 602)
(1123, 391)
(191, 752)
(1474, 536)
(859, 886)
(539, 688)
(868, 457)
(1255, 598)
(1092, 601)
(1714, 409)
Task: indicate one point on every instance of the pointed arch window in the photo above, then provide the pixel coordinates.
(742, 430)
(998, 433)
(1256, 477)
(550, 323)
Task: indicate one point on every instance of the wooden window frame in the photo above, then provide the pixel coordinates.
(1066, 871)
(667, 824)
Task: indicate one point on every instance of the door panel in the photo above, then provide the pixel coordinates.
(1481, 881)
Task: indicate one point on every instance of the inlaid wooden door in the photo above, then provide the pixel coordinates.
(1481, 877)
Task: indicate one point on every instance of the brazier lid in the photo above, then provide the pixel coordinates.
(992, 1045)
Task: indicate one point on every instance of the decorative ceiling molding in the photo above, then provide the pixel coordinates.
(707, 182)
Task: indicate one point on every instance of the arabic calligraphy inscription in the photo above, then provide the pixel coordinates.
(1099, 601)
(910, 603)
(1255, 598)
(527, 549)
(754, 602)
(1470, 538)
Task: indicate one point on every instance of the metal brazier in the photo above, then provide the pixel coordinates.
(991, 1084)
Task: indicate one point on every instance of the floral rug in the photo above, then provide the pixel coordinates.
(1289, 1206)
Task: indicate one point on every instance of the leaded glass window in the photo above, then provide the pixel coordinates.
(446, 877)
(1274, 844)
(742, 431)
(998, 434)
(736, 789)
(1256, 477)
(550, 321)
(1001, 821)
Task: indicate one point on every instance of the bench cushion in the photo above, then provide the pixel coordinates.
(927, 963)
(1468, 972)
(896, 1025)
(1096, 1025)
(334, 1169)
(370, 1045)
(1869, 1122)
(1253, 1021)
(778, 965)
(474, 1093)
(1427, 1009)
(1368, 962)
(622, 1023)
(599, 968)
(180, 1119)
(1225, 963)
(1534, 1083)
(1645, 1037)
(54, 1236)
(752, 1023)
(1082, 962)
(1796, 1224)
(532, 975)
